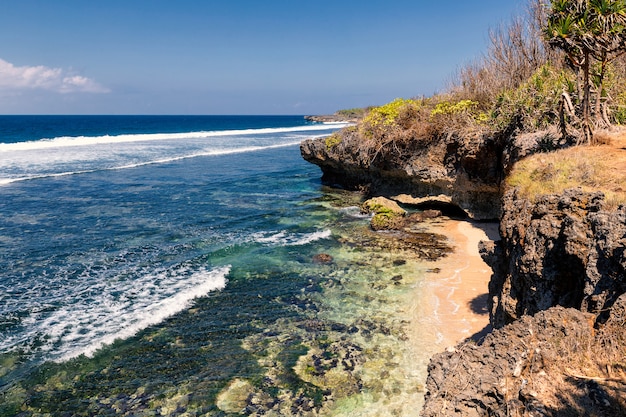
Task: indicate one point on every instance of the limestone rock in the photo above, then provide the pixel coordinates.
(563, 250)
(546, 365)
(460, 171)
(387, 213)
(382, 205)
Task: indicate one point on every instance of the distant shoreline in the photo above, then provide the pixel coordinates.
(331, 118)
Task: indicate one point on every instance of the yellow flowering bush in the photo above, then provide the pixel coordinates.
(385, 117)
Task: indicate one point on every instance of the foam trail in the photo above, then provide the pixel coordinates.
(108, 309)
(297, 239)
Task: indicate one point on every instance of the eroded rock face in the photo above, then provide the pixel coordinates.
(564, 250)
(546, 365)
(467, 171)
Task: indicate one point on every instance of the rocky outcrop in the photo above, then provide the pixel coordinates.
(557, 294)
(552, 364)
(558, 304)
(464, 171)
(469, 172)
(564, 250)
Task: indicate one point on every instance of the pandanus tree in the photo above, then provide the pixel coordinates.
(591, 33)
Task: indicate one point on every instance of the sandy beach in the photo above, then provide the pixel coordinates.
(455, 288)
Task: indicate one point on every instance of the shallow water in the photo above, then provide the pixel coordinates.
(190, 286)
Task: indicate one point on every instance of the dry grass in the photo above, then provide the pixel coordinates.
(592, 168)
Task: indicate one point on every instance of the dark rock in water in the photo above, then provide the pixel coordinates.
(397, 279)
(313, 325)
(322, 258)
(564, 250)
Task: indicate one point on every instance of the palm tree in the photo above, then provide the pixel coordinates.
(587, 30)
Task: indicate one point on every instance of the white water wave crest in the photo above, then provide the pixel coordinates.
(101, 312)
(80, 155)
(70, 141)
(5, 181)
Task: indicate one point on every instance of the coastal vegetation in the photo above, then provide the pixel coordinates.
(591, 33)
(560, 67)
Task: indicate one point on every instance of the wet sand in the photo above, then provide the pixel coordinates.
(456, 287)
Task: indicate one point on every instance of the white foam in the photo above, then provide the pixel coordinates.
(207, 281)
(215, 152)
(355, 212)
(103, 311)
(70, 141)
(283, 238)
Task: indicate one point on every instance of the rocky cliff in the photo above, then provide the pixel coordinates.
(452, 170)
(559, 309)
(566, 250)
(555, 363)
(464, 171)
(559, 275)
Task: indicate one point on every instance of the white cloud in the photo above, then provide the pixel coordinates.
(45, 78)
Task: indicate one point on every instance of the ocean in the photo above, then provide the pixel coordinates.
(194, 265)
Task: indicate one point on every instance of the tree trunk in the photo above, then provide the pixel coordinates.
(601, 113)
(566, 109)
(586, 102)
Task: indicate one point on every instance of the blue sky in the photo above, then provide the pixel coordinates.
(234, 56)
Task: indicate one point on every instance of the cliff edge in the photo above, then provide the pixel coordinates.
(558, 303)
(465, 171)
(451, 170)
(562, 250)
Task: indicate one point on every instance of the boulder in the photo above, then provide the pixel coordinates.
(387, 213)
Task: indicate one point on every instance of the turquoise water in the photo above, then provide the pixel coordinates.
(170, 269)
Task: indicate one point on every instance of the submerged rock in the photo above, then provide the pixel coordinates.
(234, 398)
(322, 258)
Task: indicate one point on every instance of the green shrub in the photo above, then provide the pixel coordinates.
(536, 101)
(447, 108)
